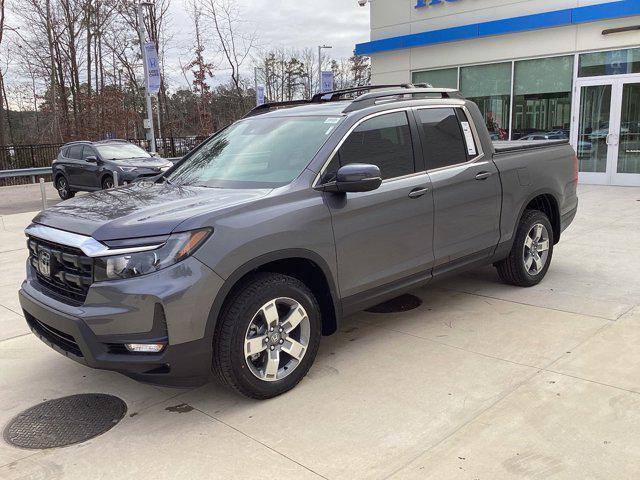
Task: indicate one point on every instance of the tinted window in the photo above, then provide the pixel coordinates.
(443, 143)
(75, 151)
(384, 141)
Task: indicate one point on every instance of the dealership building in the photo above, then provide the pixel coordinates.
(537, 69)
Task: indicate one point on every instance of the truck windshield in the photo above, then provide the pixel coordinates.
(256, 153)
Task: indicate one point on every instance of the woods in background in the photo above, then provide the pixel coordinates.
(77, 73)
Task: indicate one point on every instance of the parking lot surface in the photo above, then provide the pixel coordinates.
(26, 198)
(482, 381)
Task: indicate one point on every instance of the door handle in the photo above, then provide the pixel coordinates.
(483, 175)
(418, 192)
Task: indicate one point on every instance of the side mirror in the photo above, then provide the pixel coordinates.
(91, 159)
(356, 177)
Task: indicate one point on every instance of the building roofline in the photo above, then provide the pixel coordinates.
(537, 21)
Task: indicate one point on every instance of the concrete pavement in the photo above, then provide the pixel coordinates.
(482, 381)
(26, 198)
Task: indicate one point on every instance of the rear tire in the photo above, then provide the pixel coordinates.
(531, 253)
(62, 186)
(267, 335)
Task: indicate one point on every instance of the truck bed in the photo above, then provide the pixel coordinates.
(502, 146)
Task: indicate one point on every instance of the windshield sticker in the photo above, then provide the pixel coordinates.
(332, 120)
(329, 130)
(468, 138)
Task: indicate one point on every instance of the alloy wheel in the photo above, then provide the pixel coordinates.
(63, 188)
(277, 339)
(536, 249)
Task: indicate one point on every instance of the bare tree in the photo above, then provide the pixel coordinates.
(235, 44)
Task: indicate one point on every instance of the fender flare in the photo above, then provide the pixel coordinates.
(260, 261)
(537, 193)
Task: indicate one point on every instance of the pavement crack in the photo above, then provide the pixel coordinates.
(261, 443)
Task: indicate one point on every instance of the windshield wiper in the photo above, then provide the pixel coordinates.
(167, 181)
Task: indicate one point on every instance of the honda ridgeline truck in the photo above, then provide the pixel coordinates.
(237, 260)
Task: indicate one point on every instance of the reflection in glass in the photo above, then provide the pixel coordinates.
(444, 78)
(489, 86)
(595, 110)
(613, 62)
(542, 98)
(257, 152)
(629, 146)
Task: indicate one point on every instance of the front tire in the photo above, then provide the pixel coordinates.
(107, 182)
(267, 336)
(531, 253)
(62, 186)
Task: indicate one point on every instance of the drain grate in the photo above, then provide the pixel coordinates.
(65, 421)
(399, 304)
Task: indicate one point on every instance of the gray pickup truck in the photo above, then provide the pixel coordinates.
(237, 260)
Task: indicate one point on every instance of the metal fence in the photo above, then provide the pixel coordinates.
(14, 157)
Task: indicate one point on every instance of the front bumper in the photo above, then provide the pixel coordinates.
(171, 305)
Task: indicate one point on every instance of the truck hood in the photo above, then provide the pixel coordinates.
(141, 210)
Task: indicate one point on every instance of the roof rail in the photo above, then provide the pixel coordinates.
(335, 95)
(370, 99)
(362, 101)
(265, 107)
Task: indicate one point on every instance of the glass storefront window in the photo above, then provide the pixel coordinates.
(613, 62)
(444, 78)
(542, 98)
(489, 86)
(629, 145)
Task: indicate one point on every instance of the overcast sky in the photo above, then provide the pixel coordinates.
(277, 23)
(282, 23)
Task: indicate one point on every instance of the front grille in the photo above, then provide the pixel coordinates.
(69, 274)
(63, 340)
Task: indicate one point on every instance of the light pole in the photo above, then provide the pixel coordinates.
(320, 48)
(149, 120)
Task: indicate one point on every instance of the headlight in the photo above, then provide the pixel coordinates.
(128, 169)
(178, 247)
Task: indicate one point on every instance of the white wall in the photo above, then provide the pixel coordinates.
(399, 17)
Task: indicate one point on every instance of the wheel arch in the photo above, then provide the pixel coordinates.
(305, 265)
(57, 173)
(547, 203)
(104, 174)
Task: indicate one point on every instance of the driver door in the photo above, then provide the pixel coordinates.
(383, 237)
(90, 170)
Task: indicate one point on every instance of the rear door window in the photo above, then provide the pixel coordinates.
(443, 140)
(384, 141)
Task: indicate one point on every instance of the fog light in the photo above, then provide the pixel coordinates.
(144, 347)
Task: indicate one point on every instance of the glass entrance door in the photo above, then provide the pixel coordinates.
(606, 135)
(627, 165)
